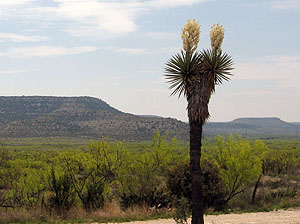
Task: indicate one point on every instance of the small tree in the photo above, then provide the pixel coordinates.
(238, 163)
(93, 172)
(141, 181)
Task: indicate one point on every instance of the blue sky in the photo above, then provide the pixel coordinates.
(116, 50)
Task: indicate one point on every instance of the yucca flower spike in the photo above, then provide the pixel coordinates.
(216, 36)
(190, 35)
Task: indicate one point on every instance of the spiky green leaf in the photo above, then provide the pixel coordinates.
(180, 71)
(217, 65)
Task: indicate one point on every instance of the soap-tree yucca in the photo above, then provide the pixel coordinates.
(195, 75)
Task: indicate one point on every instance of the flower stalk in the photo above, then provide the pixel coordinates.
(190, 36)
(216, 36)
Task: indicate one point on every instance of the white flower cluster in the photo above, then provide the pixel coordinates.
(216, 36)
(190, 35)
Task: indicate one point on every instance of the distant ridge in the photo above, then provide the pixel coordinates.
(257, 119)
(49, 116)
(255, 127)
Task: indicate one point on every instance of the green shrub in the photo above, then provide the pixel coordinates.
(179, 184)
(63, 195)
(93, 197)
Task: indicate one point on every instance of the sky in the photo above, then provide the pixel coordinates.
(116, 50)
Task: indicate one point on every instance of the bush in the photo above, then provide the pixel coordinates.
(93, 197)
(179, 184)
(63, 195)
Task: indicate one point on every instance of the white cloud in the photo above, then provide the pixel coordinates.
(132, 51)
(90, 18)
(90, 32)
(46, 51)
(93, 18)
(282, 69)
(113, 17)
(286, 4)
(142, 51)
(10, 72)
(173, 3)
(21, 38)
(10, 3)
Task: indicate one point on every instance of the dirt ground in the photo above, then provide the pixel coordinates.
(291, 216)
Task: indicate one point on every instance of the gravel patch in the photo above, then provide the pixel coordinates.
(291, 216)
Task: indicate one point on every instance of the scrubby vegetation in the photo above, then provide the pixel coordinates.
(118, 181)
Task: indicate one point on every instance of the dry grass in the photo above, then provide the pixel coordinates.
(22, 215)
(114, 212)
(110, 212)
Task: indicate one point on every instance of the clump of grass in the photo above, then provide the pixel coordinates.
(112, 212)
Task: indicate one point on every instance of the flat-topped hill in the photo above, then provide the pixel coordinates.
(48, 116)
(255, 127)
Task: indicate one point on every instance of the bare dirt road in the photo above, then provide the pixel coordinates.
(291, 216)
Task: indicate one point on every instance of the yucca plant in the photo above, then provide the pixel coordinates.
(195, 75)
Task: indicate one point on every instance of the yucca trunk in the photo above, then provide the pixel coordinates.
(198, 99)
(196, 173)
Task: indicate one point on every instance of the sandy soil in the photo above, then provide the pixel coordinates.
(291, 216)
